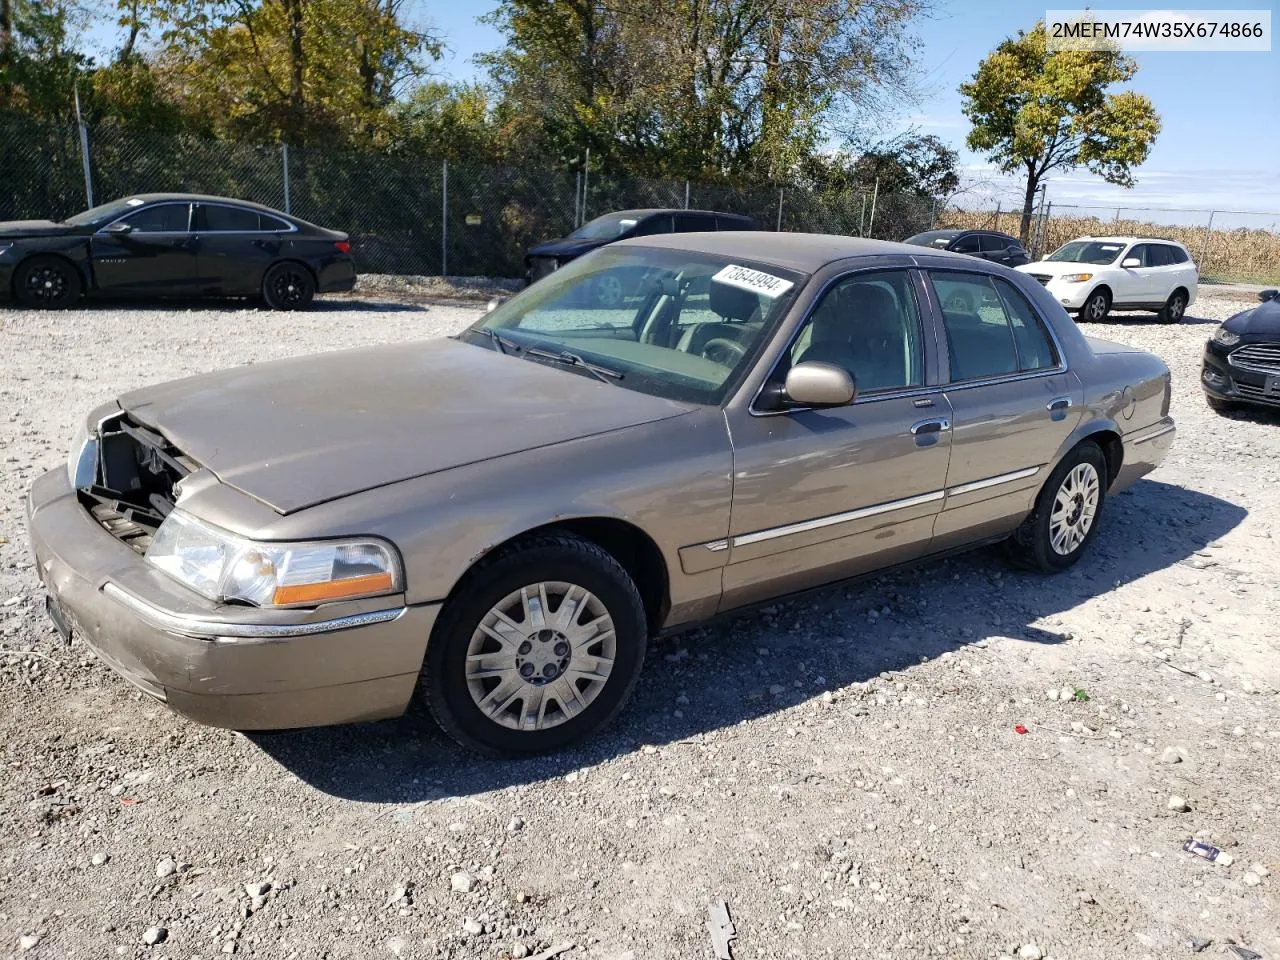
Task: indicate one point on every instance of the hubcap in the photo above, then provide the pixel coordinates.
(1176, 308)
(540, 656)
(610, 290)
(47, 284)
(1074, 508)
(1098, 308)
(289, 288)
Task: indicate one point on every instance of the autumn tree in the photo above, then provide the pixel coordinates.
(39, 65)
(1034, 111)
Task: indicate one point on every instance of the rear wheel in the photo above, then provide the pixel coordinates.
(538, 648)
(1175, 307)
(1095, 309)
(1068, 509)
(48, 283)
(288, 286)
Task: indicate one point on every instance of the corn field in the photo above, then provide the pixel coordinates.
(1248, 254)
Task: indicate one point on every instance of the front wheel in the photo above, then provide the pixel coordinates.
(1095, 309)
(48, 283)
(538, 648)
(1066, 515)
(288, 286)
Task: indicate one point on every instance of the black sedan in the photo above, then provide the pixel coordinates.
(173, 245)
(985, 244)
(547, 257)
(1242, 358)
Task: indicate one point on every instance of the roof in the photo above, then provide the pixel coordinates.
(1131, 238)
(206, 198)
(805, 252)
(650, 211)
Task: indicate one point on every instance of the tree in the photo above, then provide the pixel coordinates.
(1034, 111)
(39, 68)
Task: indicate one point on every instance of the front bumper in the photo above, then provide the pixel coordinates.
(1223, 380)
(226, 666)
(1071, 295)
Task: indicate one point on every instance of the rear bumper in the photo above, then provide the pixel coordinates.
(336, 277)
(1144, 450)
(234, 667)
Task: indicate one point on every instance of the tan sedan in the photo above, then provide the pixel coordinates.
(498, 522)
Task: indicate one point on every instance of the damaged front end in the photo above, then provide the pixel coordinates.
(127, 477)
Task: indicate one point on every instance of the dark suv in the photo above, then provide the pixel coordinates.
(546, 257)
(987, 244)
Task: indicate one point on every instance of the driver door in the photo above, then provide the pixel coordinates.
(156, 255)
(820, 495)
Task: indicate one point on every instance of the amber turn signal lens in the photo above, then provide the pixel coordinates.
(333, 589)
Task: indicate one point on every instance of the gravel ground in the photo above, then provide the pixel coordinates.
(843, 770)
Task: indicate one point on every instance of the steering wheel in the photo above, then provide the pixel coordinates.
(723, 351)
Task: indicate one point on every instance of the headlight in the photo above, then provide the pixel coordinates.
(82, 460)
(1076, 277)
(1226, 337)
(222, 566)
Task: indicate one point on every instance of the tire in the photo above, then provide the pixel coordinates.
(520, 683)
(1219, 406)
(1096, 308)
(47, 283)
(1175, 307)
(288, 286)
(1048, 540)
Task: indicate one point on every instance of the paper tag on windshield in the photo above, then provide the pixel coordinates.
(134, 202)
(754, 280)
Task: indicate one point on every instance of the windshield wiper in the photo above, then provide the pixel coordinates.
(603, 374)
(500, 343)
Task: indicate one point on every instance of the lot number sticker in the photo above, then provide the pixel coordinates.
(753, 280)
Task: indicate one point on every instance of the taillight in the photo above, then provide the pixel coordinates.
(343, 246)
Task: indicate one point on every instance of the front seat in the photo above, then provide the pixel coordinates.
(829, 334)
(858, 327)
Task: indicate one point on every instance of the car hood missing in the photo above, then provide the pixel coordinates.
(294, 433)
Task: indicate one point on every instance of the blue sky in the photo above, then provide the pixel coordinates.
(1220, 146)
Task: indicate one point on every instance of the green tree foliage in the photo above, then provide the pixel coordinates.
(1034, 111)
(39, 66)
(909, 164)
(699, 88)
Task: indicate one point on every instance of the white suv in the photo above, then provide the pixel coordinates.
(1091, 275)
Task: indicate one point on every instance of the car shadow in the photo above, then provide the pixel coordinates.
(321, 304)
(1124, 317)
(719, 675)
(1253, 413)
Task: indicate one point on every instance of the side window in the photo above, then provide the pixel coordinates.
(732, 223)
(979, 336)
(227, 219)
(165, 218)
(1140, 252)
(1035, 348)
(969, 244)
(993, 244)
(268, 222)
(1178, 255)
(1163, 255)
(653, 225)
(870, 325)
(693, 223)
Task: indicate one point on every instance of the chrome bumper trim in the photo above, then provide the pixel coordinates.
(226, 632)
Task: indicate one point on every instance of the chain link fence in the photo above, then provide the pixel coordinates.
(1227, 245)
(409, 215)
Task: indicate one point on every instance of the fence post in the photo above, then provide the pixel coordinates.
(84, 151)
(875, 195)
(444, 218)
(686, 194)
(1204, 247)
(779, 209)
(933, 213)
(577, 199)
(997, 226)
(586, 178)
(284, 160)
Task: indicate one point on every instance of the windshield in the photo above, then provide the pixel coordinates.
(673, 323)
(1087, 251)
(609, 227)
(932, 238)
(103, 214)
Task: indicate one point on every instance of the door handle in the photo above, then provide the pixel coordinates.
(1058, 407)
(936, 425)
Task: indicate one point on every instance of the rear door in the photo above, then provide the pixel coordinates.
(1136, 285)
(234, 247)
(155, 257)
(969, 243)
(1013, 403)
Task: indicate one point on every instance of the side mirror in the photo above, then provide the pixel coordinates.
(1266, 295)
(495, 303)
(817, 384)
(1130, 262)
(119, 228)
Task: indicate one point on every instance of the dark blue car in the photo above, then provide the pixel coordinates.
(547, 257)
